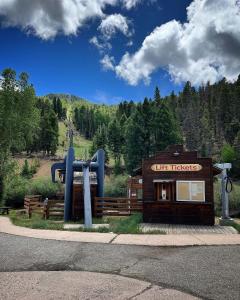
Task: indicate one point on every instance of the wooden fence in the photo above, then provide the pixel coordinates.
(53, 208)
(108, 206)
(33, 203)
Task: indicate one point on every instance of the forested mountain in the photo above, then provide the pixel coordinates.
(67, 97)
(206, 119)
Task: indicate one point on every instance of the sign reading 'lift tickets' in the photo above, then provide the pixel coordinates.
(176, 167)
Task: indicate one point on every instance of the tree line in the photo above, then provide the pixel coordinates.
(27, 123)
(88, 118)
(206, 119)
(137, 131)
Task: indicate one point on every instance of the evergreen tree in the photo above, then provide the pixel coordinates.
(134, 141)
(18, 118)
(163, 126)
(115, 139)
(100, 141)
(47, 138)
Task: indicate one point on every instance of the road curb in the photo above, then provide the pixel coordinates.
(171, 240)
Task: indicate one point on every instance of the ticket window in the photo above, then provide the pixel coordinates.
(191, 191)
(164, 191)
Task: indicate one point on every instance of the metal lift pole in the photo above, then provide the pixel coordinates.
(224, 194)
(87, 196)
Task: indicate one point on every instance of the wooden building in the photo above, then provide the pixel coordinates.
(177, 187)
(78, 195)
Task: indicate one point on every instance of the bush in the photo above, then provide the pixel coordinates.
(116, 186)
(127, 224)
(26, 171)
(228, 154)
(18, 187)
(29, 170)
(15, 191)
(44, 187)
(35, 166)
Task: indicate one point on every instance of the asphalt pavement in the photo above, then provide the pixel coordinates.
(209, 272)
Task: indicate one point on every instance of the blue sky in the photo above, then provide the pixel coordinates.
(64, 61)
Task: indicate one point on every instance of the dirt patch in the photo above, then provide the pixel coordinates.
(44, 169)
(45, 164)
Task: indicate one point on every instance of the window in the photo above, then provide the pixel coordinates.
(133, 193)
(139, 194)
(191, 191)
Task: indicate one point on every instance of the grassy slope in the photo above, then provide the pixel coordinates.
(81, 145)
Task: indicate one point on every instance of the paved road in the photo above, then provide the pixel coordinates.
(208, 272)
(80, 285)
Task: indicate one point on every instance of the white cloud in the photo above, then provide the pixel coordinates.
(46, 18)
(130, 3)
(205, 48)
(113, 23)
(108, 28)
(107, 62)
(100, 45)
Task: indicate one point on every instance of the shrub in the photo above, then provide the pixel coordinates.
(35, 166)
(127, 224)
(44, 187)
(18, 187)
(15, 191)
(29, 170)
(26, 170)
(228, 154)
(116, 186)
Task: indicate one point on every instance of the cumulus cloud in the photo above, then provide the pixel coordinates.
(113, 23)
(107, 62)
(102, 46)
(205, 48)
(46, 18)
(108, 28)
(130, 3)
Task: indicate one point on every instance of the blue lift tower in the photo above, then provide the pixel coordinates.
(68, 167)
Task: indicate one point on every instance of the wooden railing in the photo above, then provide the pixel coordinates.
(33, 203)
(53, 208)
(108, 206)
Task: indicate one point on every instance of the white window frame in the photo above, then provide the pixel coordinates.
(190, 190)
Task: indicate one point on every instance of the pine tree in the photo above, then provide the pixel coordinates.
(100, 141)
(48, 134)
(134, 141)
(18, 118)
(164, 128)
(115, 139)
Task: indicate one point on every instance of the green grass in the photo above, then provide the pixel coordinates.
(126, 224)
(116, 225)
(36, 222)
(81, 145)
(236, 226)
(119, 225)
